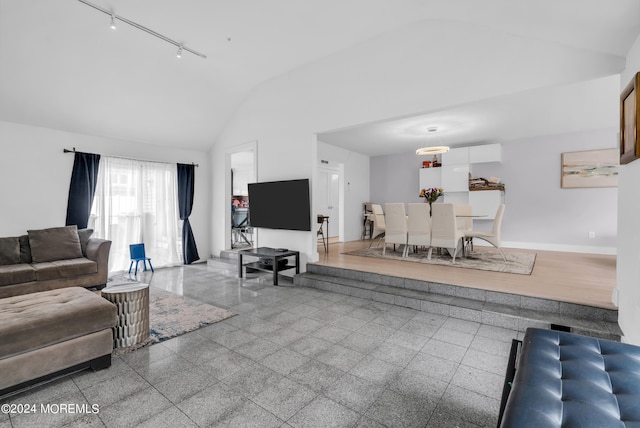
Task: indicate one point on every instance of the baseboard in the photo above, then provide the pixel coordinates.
(554, 247)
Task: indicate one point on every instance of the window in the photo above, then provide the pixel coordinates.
(137, 201)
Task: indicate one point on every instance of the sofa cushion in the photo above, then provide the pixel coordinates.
(69, 268)
(9, 251)
(56, 243)
(16, 274)
(37, 320)
(25, 249)
(84, 235)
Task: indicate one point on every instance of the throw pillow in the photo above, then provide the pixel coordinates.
(9, 251)
(56, 243)
(84, 235)
(25, 249)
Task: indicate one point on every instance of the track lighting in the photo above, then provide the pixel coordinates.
(180, 46)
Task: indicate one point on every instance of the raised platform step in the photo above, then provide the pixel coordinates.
(488, 307)
(229, 254)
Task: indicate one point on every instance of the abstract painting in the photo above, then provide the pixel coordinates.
(590, 168)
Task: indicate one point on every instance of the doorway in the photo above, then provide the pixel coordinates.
(328, 198)
(242, 171)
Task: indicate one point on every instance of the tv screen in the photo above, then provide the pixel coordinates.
(280, 205)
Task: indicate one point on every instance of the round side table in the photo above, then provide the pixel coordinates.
(132, 302)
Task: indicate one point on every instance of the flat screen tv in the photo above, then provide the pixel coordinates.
(280, 205)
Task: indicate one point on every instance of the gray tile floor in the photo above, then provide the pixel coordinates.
(292, 357)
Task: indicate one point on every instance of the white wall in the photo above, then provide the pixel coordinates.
(540, 214)
(276, 160)
(356, 186)
(627, 294)
(396, 178)
(377, 80)
(36, 174)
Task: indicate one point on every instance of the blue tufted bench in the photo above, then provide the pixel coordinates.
(567, 380)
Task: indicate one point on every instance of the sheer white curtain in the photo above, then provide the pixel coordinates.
(137, 202)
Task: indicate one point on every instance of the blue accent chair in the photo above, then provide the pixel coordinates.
(138, 255)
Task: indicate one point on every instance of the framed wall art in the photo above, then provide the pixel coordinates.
(590, 168)
(629, 119)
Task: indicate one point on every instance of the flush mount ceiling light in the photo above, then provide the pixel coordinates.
(113, 16)
(434, 150)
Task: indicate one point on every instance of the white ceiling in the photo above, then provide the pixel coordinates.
(582, 106)
(62, 67)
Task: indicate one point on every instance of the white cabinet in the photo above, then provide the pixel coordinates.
(455, 170)
(430, 177)
(455, 178)
(485, 202)
(486, 153)
(457, 198)
(456, 156)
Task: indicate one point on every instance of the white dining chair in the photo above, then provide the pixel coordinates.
(396, 226)
(444, 231)
(492, 237)
(464, 222)
(418, 226)
(379, 225)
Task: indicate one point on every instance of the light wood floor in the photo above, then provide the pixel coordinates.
(587, 279)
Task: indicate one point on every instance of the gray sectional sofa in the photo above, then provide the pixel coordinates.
(50, 324)
(47, 334)
(49, 259)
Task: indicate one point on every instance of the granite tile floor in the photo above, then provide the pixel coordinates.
(291, 357)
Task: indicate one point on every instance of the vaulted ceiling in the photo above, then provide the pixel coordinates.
(62, 67)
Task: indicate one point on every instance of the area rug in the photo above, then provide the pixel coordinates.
(120, 278)
(481, 259)
(171, 315)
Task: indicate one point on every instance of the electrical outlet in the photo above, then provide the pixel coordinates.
(592, 235)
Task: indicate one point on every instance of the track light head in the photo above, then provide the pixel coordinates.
(179, 54)
(113, 22)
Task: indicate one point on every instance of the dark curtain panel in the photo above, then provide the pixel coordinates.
(82, 188)
(186, 175)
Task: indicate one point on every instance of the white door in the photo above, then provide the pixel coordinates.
(329, 199)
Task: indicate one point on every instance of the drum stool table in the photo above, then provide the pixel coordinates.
(132, 302)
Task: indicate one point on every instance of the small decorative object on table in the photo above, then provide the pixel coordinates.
(431, 195)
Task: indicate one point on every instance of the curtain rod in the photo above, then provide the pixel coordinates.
(120, 157)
